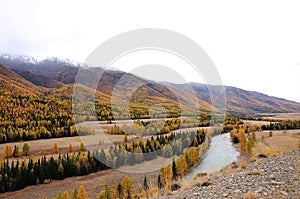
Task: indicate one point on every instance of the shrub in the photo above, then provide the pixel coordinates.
(271, 152)
(16, 152)
(81, 147)
(270, 133)
(242, 164)
(70, 148)
(55, 148)
(25, 149)
(250, 195)
(254, 172)
(8, 151)
(125, 138)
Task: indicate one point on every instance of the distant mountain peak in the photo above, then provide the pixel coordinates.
(35, 61)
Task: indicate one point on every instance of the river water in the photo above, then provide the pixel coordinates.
(220, 154)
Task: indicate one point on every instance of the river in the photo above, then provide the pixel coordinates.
(220, 154)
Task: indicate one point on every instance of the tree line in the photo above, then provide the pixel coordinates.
(124, 189)
(282, 125)
(17, 175)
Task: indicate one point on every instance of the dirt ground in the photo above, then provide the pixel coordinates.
(279, 142)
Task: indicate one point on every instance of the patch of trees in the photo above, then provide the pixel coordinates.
(17, 175)
(246, 141)
(24, 118)
(15, 152)
(162, 145)
(28, 118)
(123, 190)
(157, 127)
(282, 125)
(76, 194)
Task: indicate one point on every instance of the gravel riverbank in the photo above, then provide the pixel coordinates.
(271, 177)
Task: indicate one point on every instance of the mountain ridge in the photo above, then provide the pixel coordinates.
(52, 77)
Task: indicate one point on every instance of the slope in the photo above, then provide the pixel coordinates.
(14, 83)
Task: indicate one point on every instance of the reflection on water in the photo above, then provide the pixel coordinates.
(220, 153)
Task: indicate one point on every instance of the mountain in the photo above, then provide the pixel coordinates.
(13, 83)
(55, 78)
(34, 65)
(39, 80)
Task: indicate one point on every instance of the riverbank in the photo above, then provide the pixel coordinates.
(271, 172)
(272, 177)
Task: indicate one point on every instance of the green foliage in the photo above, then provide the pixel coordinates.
(19, 175)
(25, 149)
(16, 152)
(81, 147)
(146, 186)
(106, 193)
(125, 138)
(59, 195)
(74, 194)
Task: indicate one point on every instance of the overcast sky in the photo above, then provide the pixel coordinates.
(254, 45)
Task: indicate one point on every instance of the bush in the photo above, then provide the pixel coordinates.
(270, 133)
(250, 195)
(16, 152)
(55, 148)
(81, 147)
(25, 149)
(271, 152)
(242, 164)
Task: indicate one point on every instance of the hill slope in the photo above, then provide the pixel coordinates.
(57, 74)
(13, 83)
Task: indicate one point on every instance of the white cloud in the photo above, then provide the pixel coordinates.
(253, 44)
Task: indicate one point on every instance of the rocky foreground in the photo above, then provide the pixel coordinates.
(269, 177)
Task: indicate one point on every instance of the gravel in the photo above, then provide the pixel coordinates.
(272, 177)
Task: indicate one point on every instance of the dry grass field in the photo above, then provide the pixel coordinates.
(254, 122)
(279, 142)
(285, 116)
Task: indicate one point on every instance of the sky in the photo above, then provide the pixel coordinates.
(255, 45)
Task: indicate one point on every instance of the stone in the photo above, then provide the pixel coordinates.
(284, 193)
(265, 193)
